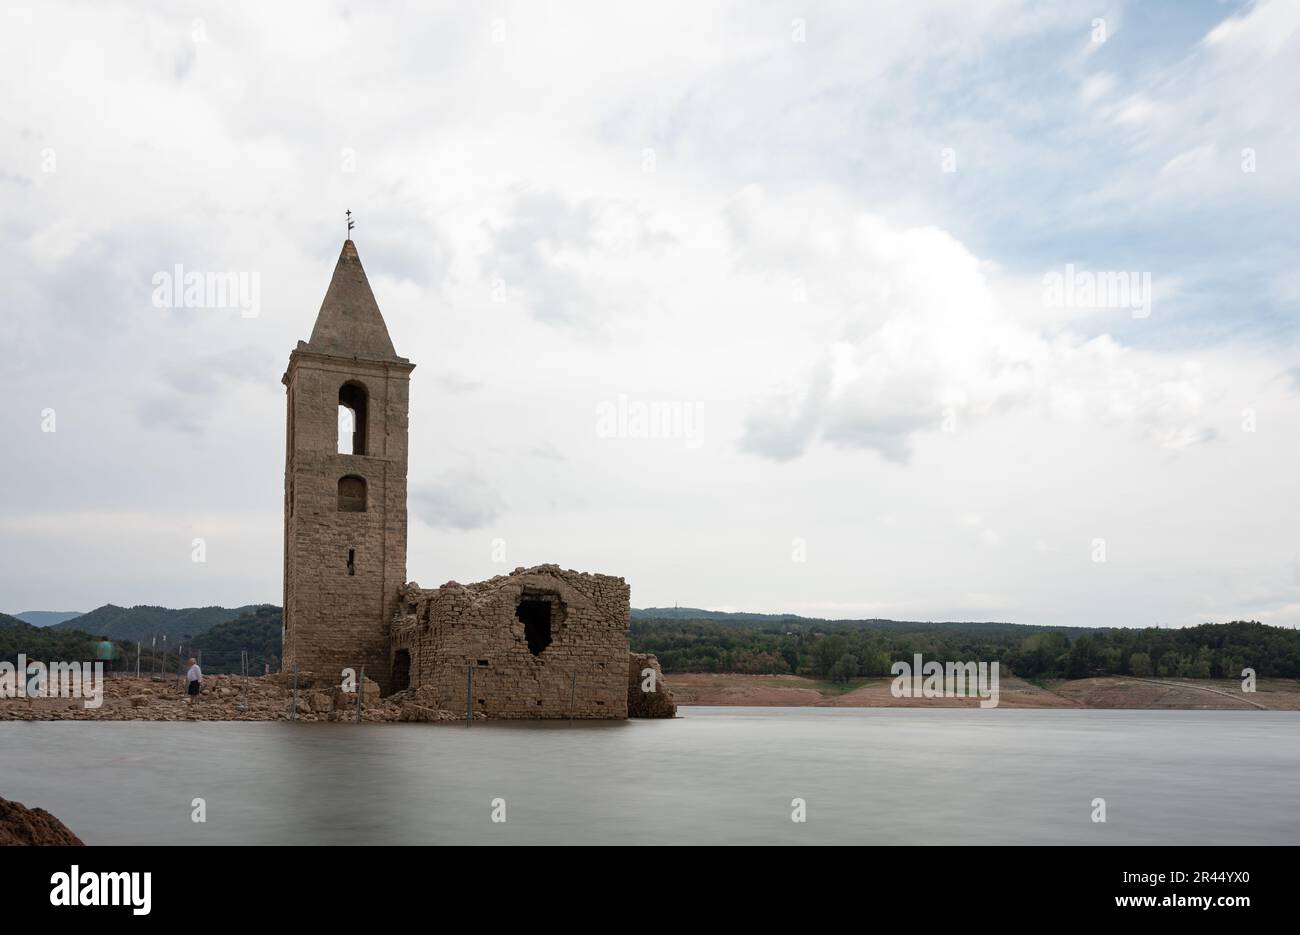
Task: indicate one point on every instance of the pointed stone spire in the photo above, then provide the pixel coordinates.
(349, 323)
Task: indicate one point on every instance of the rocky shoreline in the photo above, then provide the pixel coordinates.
(1105, 692)
(229, 698)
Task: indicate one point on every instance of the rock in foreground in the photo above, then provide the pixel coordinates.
(23, 826)
(647, 692)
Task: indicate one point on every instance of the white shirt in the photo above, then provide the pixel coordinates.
(194, 674)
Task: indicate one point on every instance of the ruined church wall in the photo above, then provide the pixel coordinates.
(581, 674)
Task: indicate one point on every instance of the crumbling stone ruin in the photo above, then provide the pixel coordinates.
(647, 694)
(540, 642)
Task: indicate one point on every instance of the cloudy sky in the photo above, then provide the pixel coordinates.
(849, 251)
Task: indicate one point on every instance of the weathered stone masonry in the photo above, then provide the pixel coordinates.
(344, 514)
(539, 642)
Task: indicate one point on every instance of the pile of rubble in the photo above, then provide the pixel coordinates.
(648, 695)
(228, 698)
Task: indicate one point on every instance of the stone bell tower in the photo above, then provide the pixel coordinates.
(344, 485)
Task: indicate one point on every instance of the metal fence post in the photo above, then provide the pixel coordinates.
(469, 695)
(361, 691)
(293, 710)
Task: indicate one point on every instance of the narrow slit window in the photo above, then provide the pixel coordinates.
(352, 561)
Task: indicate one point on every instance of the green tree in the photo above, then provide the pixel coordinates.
(845, 668)
(1079, 665)
(826, 652)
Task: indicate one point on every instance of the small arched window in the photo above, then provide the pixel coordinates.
(352, 418)
(352, 494)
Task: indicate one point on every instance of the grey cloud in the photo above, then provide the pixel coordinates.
(455, 384)
(207, 374)
(782, 429)
(541, 225)
(546, 451)
(781, 439)
(782, 426)
(458, 500)
(405, 248)
(886, 433)
(187, 402)
(171, 413)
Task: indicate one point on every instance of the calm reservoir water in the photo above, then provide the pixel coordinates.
(714, 775)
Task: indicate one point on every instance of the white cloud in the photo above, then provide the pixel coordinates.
(908, 336)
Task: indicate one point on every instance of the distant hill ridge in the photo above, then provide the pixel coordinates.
(46, 618)
(252, 638)
(697, 613)
(42, 643)
(145, 621)
(733, 617)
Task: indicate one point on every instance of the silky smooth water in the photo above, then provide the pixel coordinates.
(713, 775)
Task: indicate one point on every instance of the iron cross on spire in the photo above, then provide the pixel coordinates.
(351, 224)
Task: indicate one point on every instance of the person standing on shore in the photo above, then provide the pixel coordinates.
(194, 680)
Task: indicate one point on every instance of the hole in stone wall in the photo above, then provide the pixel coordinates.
(482, 663)
(352, 561)
(536, 618)
(401, 670)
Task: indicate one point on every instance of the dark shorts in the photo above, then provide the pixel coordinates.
(194, 688)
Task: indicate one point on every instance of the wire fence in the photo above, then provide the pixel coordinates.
(153, 660)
